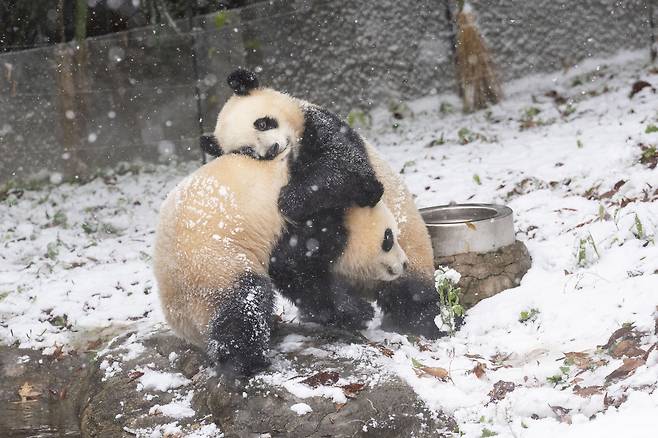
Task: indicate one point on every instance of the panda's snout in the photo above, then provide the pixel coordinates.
(272, 152)
(397, 269)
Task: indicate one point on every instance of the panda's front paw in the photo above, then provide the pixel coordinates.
(338, 310)
(419, 323)
(352, 312)
(370, 193)
(410, 305)
(289, 204)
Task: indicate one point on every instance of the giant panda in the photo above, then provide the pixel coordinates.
(216, 231)
(331, 169)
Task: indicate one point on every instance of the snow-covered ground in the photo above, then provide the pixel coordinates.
(563, 151)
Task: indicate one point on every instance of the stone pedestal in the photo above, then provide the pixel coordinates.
(484, 275)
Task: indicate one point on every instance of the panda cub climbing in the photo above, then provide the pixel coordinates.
(213, 242)
(331, 169)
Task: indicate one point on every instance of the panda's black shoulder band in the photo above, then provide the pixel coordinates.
(242, 81)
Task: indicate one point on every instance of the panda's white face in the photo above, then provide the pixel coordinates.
(392, 258)
(262, 124)
(373, 251)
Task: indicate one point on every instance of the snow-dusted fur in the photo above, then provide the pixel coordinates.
(213, 243)
(217, 225)
(342, 169)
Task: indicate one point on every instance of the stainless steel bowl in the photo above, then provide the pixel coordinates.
(461, 228)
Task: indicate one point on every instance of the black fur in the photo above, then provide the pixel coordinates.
(242, 81)
(331, 173)
(210, 145)
(301, 269)
(332, 170)
(240, 331)
(409, 304)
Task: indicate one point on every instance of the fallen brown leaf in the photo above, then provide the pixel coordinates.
(93, 345)
(557, 97)
(626, 369)
(639, 86)
(614, 190)
(587, 391)
(626, 348)
(133, 375)
(479, 370)
(57, 352)
(27, 393)
(354, 387)
(578, 358)
(339, 406)
(646, 355)
(582, 360)
(385, 351)
(500, 390)
(625, 332)
(323, 378)
(562, 414)
(609, 400)
(437, 372)
(500, 358)
(351, 389)
(624, 202)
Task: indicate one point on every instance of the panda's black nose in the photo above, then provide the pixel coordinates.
(272, 152)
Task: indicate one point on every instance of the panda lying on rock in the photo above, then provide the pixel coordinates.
(306, 237)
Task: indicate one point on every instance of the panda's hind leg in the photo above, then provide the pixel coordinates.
(239, 333)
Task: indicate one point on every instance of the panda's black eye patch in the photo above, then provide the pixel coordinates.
(266, 123)
(387, 244)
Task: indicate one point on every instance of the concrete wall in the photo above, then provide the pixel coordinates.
(135, 95)
(542, 36)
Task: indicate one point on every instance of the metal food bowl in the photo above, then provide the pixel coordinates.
(468, 228)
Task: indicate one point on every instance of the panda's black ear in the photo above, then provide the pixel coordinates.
(210, 146)
(242, 81)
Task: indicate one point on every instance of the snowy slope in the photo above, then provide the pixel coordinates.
(563, 151)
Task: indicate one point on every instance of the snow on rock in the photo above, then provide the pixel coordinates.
(301, 408)
(301, 390)
(160, 381)
(178, 408)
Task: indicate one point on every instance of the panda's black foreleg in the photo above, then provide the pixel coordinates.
(329, 185)
(350, 310)
(239, 334)
(409, 305)
(330, 301)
